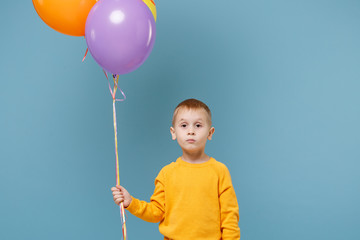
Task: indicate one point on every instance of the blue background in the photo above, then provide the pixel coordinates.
(281, 78)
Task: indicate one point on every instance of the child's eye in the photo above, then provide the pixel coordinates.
(183, 125)
(198, 125)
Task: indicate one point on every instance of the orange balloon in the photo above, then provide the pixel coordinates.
(65, 16)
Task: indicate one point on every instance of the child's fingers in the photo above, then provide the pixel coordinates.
(118, 200)
(121, 188)
(116, 193)
(118, 196)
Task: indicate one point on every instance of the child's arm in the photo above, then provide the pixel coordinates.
(229, 208)
(152, 211)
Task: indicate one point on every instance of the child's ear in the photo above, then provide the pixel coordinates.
(211, 132)
(173, 135)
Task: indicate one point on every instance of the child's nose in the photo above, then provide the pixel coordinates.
(191, 131)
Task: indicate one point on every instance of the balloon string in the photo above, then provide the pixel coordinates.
(105, 74)
(113, 93)
(123, 220)
(87, 49)
(85, 54)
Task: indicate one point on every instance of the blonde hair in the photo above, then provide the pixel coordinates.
(191, 104)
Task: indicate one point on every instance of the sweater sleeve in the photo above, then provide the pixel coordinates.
(229, 208)
(152, 211)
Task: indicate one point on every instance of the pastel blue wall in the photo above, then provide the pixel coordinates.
(282, 80)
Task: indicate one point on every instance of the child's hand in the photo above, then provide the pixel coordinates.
(121, 195)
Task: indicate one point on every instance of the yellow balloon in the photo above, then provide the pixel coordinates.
(151, 5)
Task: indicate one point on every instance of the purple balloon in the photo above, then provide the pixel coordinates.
(120, 34)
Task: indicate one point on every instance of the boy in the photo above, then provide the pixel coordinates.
(193, 198)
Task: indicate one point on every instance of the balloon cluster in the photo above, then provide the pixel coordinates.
(120, 34)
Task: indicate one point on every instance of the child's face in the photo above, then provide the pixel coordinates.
(192, 129)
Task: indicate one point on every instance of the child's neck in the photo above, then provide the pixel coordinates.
(199, 157)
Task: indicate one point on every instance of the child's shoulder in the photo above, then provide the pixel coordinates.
(168, 167)
(220, 166)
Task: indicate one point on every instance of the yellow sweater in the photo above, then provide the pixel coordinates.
(192, 202)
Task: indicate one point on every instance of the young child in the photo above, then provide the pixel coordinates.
(193, 198)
